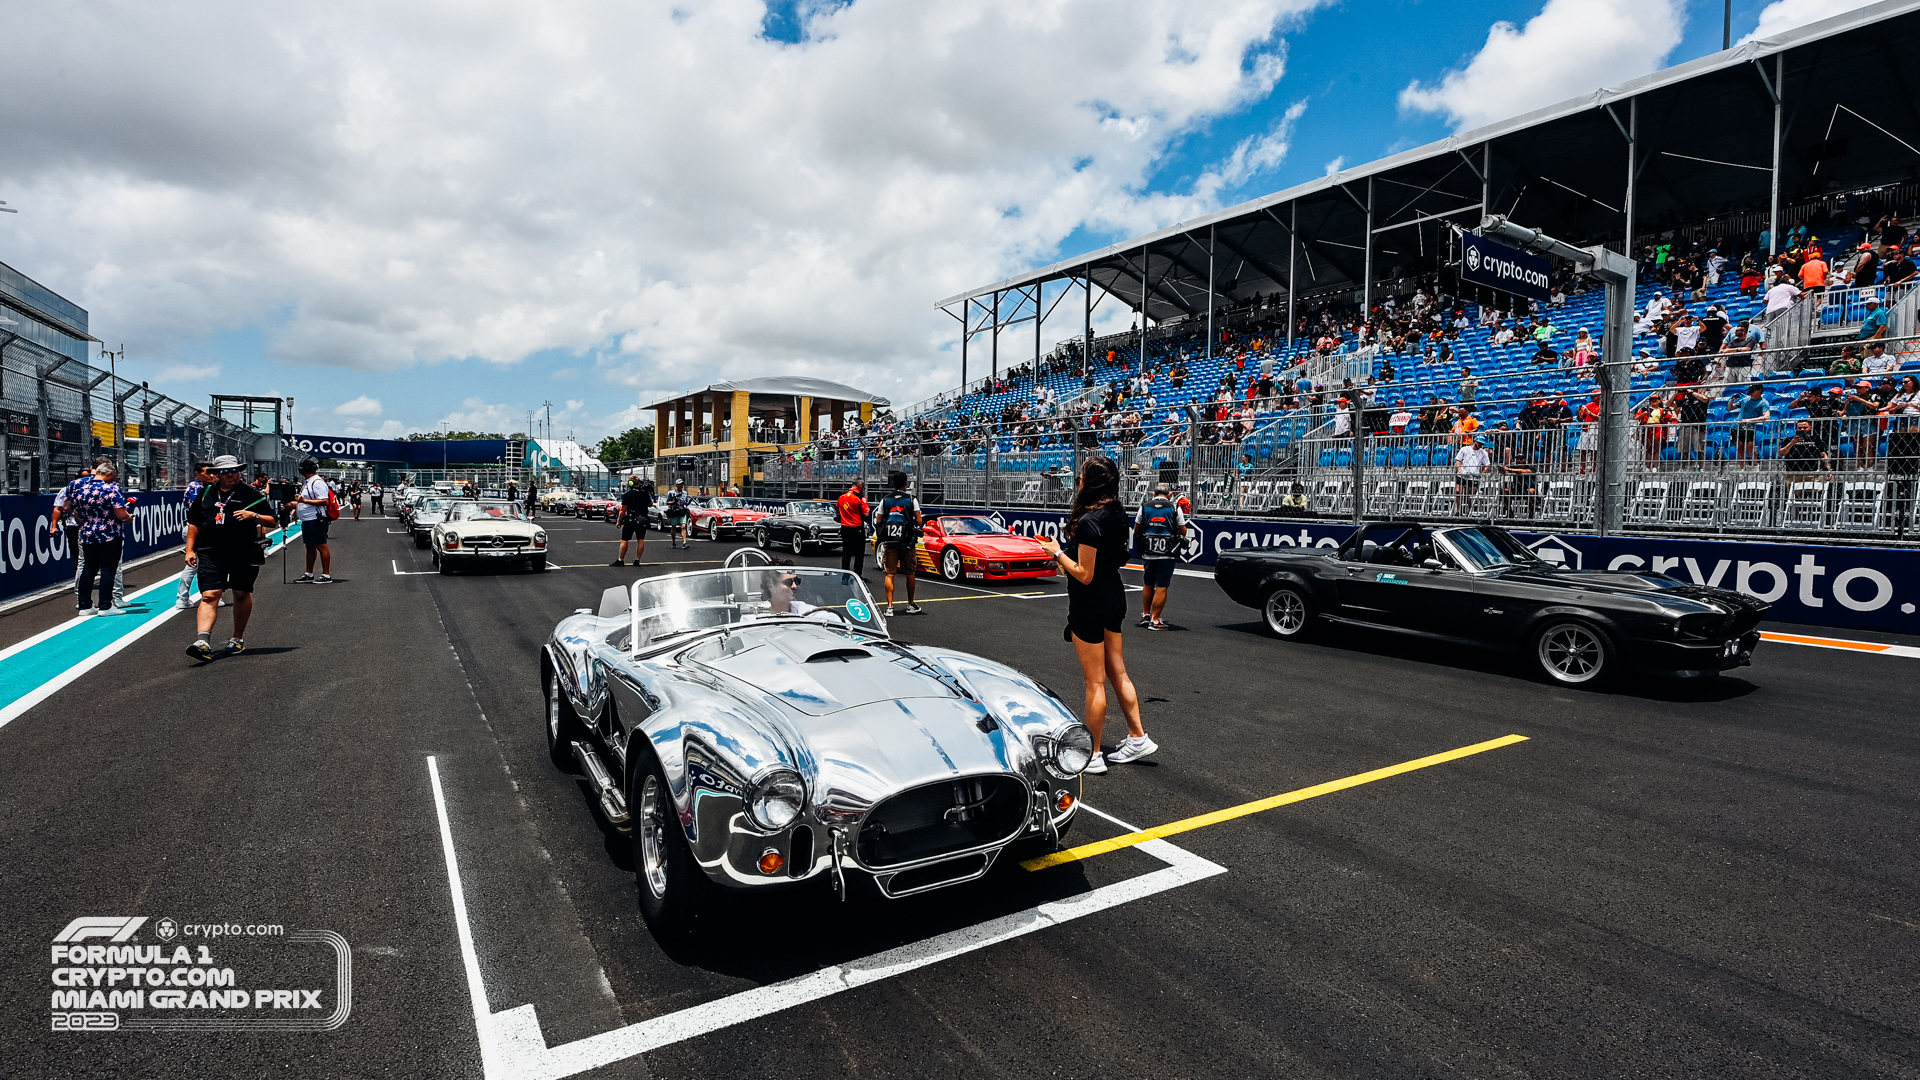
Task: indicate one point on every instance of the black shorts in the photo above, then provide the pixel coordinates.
(233, 570)
(633, 529)
(1092, 618)
(1159, 573)
(313, 533)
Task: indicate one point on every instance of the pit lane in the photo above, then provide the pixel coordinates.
(1671, 878)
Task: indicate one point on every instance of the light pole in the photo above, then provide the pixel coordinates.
(1617, 271)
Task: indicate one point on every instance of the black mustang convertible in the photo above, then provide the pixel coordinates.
(1478, 585)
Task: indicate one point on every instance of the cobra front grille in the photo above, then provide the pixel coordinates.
(941, 818)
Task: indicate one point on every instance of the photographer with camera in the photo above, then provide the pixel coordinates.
(223, 545)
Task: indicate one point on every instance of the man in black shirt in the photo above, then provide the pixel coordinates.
(223, 544)
(1823, 409)
(1713, 330)
(634, 503)
(1898, 268)
(1804, 454)
(1689, 438)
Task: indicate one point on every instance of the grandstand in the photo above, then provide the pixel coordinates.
(1343, 290)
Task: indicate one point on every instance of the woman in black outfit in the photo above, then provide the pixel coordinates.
(1098, 533)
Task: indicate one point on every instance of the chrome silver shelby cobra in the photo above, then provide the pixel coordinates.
(755, 726)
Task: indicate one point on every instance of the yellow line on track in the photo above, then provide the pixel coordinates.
(1101, 847)
(991, 596)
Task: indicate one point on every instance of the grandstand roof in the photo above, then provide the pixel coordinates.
(787, 385)
(1705, 140)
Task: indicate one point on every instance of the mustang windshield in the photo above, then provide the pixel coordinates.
(971, 526)
(709, 599)
(487, 511)
(1490, 549)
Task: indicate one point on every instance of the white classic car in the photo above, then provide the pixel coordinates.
(485, 531)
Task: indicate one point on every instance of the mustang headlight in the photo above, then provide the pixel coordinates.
(1067, 751)
(777, 800)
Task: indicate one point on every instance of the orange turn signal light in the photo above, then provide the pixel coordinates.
(771, 862)
(1064, 802)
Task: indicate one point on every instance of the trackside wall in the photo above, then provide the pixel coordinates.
(30, 559)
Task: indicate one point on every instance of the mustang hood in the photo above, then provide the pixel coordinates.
(1640, 584)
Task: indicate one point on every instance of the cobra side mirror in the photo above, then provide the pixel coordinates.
(1433, 564)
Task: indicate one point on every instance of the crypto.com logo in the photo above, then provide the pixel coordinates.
(99, 926)
(1473, 258)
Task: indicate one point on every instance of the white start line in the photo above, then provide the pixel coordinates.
(513, 1048)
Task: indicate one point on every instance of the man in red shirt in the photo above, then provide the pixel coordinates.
(853, 511)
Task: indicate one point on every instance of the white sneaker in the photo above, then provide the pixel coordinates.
(110, 611)
(889, 611)
(1097, 765)
(323, 579)
(1133, 749)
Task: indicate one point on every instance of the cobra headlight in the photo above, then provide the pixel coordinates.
(777, 800)
(1067, 751)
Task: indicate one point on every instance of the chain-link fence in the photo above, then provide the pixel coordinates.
(62, 414)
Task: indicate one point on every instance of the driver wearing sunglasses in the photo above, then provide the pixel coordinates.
(783, 596)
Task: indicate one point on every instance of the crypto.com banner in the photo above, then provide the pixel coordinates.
(1818, 584)
(32, 559)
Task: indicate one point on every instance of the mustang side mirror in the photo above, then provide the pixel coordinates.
(1433, 564)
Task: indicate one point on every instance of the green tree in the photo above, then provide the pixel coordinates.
(436, 436)
(633, 444)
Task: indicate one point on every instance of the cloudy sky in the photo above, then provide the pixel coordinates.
(414, 212)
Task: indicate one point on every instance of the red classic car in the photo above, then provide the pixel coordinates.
(980, 547)
(594, 506)
(723, 514)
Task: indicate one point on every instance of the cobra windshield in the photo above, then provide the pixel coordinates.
(971, 526)
(711, 599)
(1489, 549)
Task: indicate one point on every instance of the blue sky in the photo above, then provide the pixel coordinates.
(475, 249)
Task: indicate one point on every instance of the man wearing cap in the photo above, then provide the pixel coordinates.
(1875, 324)
(312, 503)
(1863, 420)
(1823, 411)
(223, 529)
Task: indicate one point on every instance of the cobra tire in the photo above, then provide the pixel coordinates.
(673, 889)
(562, 723)
(1288, 613)
(950, 564)
(1572, 652)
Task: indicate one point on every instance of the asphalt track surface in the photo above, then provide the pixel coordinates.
(1712, 879)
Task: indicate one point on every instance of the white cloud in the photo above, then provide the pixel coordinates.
(176, 373)
(381, 184)
(1254, 155)
(360, 406)
(388, 429)
(1336, 164)
(1571, 48)
(1783, 15)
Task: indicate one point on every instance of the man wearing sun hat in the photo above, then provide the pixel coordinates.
(223, 528)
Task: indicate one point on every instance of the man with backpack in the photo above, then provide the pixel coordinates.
(679, 512)
(1159, 531)
(896, 530)
(317, 509)
(632, 513)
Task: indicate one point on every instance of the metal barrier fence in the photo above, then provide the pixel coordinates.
(60, 414)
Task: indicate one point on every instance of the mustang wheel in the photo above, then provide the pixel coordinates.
(673, 888)
(1573, 653)
(419, 541)
(1288, 613)
(950, 564)
(563, 724)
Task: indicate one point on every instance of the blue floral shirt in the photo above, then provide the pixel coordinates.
(91, 502)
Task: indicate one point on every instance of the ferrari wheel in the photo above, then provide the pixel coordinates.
(673, 888)
(1288, 613)
(950, 564)
(1573, 653)
(563, 724)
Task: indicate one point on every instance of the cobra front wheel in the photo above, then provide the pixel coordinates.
(672, 887)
